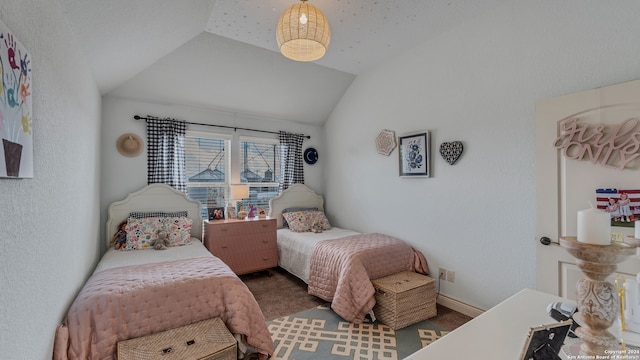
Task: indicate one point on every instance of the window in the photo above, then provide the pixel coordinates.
(207, 168)
(260, 168)
(210, 168)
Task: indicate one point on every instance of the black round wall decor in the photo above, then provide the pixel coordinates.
(310, 156)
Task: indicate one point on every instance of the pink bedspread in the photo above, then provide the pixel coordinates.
(133, 301)
(341, 270)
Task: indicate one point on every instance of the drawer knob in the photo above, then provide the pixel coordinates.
(224, 246)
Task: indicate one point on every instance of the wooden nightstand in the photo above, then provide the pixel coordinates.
(245, 245)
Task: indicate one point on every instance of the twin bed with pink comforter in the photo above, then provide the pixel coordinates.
(136, 293)
(338, 264)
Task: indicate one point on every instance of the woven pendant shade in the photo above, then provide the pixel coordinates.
(303, 33)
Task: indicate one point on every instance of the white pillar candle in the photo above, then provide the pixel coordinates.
(637, 228)
(594, 227)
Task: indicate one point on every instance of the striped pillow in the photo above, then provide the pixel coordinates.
(147, 214)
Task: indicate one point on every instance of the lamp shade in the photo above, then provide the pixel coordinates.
(239, 191)
(303, 33)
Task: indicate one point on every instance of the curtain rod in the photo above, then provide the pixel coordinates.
(235, 128)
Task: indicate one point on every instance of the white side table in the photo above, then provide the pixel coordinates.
(498, 334)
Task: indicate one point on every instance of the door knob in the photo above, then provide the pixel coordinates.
(545, 240)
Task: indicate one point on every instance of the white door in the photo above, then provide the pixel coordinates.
(565, 186)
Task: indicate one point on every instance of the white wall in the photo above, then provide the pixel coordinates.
(478, 84)
(49, 224)
(121, 175)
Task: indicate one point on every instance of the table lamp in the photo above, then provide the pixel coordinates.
(238, 192)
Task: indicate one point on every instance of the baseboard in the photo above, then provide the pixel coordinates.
(459, 306)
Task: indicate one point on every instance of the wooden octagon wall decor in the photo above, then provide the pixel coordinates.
(386, 142)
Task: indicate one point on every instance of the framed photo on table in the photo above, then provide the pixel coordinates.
(545, 341)
(216, 213)
(414, 154)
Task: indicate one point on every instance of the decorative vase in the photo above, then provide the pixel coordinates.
(597, 298)
(12, 155)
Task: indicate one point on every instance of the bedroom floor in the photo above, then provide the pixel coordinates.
(283, 294)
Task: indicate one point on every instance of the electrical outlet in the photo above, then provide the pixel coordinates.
(451, 275)
(442, 274)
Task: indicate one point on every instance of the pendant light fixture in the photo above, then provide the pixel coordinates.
(303, 33)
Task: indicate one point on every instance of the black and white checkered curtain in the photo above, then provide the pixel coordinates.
(165, 152)
(292, 171)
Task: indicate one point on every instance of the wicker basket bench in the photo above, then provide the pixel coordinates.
(204, 340)
(404, 299)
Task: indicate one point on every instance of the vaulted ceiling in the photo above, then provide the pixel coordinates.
(222, 54)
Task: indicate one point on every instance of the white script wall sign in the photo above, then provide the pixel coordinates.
(616, 148)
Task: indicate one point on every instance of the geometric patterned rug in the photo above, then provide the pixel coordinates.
(320, 333)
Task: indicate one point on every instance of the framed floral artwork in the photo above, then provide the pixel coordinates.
(414, 154)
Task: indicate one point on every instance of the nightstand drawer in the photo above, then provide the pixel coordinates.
(242, 228)
(245, 241)
(242, 262)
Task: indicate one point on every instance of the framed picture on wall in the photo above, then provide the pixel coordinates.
(216, 213)
(16, 112)
(414, 154)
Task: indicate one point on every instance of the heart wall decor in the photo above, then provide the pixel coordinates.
(451, 151)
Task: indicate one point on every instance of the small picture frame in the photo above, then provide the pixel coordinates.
(623, 206)
(545, 341)
(231, 212)
(414, 152)
(216, 213)
(262, 213)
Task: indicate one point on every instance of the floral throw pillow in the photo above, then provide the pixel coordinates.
(294, 209)
(142, 232)
(318, 217)
(303, 221)
(179, 230)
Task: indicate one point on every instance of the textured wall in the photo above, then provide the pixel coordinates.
(478, 83)
(49, 224)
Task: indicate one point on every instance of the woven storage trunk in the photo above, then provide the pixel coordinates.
(404, 299)
(204, 340)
